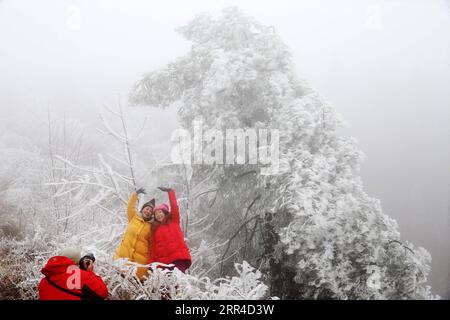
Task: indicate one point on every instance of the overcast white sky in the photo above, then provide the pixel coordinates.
(384, 65)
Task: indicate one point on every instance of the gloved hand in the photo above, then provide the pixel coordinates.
(140, 190)
(164, 189)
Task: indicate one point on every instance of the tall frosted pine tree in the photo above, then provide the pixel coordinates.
(311, 228)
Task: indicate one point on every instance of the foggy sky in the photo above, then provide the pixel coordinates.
(384, 66)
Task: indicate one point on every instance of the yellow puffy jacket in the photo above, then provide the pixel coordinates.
(136, 242)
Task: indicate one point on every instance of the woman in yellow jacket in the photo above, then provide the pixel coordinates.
(136, 242)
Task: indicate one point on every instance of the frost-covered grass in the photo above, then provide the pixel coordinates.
(21, 262)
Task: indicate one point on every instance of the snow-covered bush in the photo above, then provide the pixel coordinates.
(21, 263)
(179, 286)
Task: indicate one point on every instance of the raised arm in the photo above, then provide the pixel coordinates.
(174, 209)
(132, 202)
(131, 209)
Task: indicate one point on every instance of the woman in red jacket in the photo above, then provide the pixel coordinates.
(168, 245)
(65, 280)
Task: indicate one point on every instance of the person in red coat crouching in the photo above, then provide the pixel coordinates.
(66, 280)
(168, 244)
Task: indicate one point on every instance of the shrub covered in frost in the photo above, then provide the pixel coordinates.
(21, 263)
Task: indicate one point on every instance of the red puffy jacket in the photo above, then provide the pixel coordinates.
(168, 240)
(61, 273)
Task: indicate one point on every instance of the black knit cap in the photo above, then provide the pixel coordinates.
(151, 204)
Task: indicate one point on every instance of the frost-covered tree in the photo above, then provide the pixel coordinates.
(94, 189)
(311, 228)
(99, 192)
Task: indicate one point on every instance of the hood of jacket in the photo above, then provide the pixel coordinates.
(56, 265)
